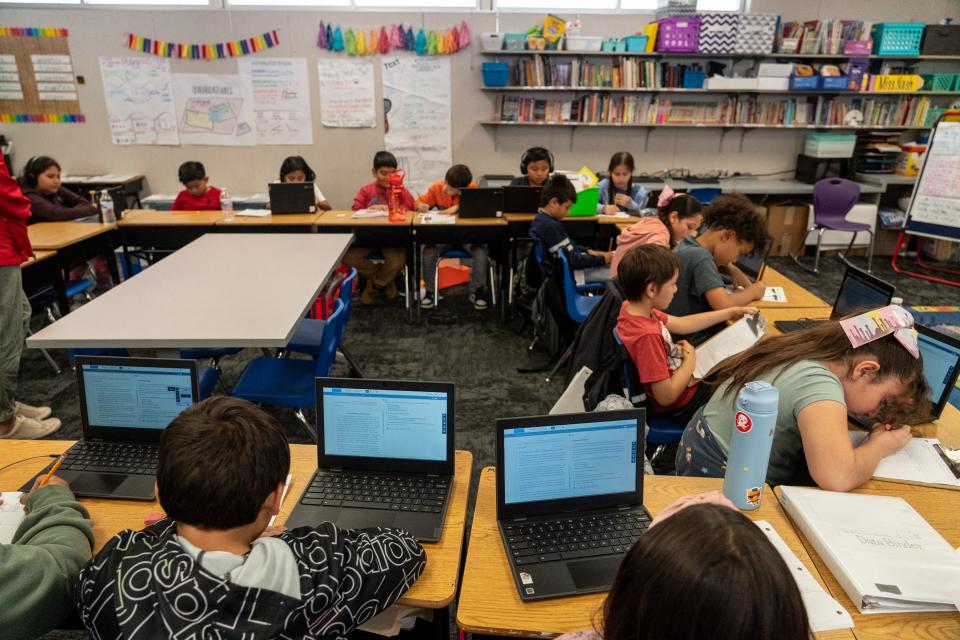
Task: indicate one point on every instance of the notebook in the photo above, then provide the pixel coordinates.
(737, 337)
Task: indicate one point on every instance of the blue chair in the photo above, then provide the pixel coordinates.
(578, 305)
(705, 195)
(308, 336)
(47, 297)
(461, 254)
(287, 382)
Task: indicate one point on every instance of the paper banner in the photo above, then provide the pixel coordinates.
(395, 38)
(208, 51)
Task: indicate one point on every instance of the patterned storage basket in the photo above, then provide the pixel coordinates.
(718, 32)
(897, 39)
(756, 33)
(679, 35)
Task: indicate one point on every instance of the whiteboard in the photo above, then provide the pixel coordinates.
(935, 206)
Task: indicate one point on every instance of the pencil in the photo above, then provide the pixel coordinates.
(53, 470)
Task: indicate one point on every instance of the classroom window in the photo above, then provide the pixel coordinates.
(289, 3)
(549, 5)
(406, 4)
(719, 5)
(39, 1)
(134, 3)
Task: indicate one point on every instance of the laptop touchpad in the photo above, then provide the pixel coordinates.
(589, 574)
(364, 519)
(97, 483)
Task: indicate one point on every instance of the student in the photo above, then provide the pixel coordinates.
(49, 201)
(648, 277)
(734, 228)
(557, 197)
(678, 216)
(445, 196)
(296, 169)
(618, 192)
(17, 420)
(220, 476)
(198, 194)
(374, 196)
(39, 569)
(536, 165)
(702, 570)
(822, 378)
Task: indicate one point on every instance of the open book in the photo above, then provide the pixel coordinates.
(922, 461)
(883, 553)
(729, 342)
(11, 515)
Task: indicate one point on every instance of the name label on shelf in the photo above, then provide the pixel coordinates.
(897, 83)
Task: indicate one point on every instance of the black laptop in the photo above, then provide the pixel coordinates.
(482, 202)
(569, 499)
(292, 197)
(518, 199)
(385, 456)
(125, 404)
(754, 263)
(941, 366)
(859, 291)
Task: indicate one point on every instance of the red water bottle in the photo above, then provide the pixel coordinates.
(397, 212)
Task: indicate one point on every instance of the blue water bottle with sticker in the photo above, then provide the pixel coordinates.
(754, 422)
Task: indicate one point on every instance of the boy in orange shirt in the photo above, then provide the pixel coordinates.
(445, 196)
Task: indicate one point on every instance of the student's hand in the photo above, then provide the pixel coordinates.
(890, 438)
(709, 497)
(738, 312)
(621, 199)
(381, 207)
(53, 481)
(452, 211)
(423, 207)
(757, 289)
(688, 350)
(610, 209)
(273, 532)
(606, 255)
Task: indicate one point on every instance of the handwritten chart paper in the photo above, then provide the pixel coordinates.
(938, 194)
(346, 93)
(281, 99)
(214, 109)
(416, 94)
(139, 97)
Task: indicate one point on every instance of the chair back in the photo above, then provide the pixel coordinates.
(833, 198)
(330, 340)
(346, 293)
(570, 293)
(705, 195)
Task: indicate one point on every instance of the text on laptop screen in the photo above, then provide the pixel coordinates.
(569, 461)
(939, 362)
(857, 295)
(136, 397)
(385, 423)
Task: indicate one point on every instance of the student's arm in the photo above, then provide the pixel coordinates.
(720, 298)
(683, 325)
(580, 259)
(668, 391)
(39, 570)
(833, 462)
(324, 205)
(45, 211)
(178, 204)
(361, 200)
(426, 201)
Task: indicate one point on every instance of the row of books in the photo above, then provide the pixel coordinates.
(644, 109)
(622, 73)
(822, 36)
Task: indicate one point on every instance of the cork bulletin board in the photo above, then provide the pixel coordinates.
(37, 82)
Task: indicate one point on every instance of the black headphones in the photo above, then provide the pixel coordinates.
(30, 173)
(525, 158)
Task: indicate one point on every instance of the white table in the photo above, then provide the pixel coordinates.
(221, 290)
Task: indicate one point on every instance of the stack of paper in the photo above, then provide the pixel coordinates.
(370, 213)
(437, 218)
(11, 515)
(253, 213)
(920, 462)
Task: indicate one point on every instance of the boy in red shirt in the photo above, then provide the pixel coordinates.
(198, 195)
(648, 275)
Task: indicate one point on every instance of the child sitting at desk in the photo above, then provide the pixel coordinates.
(702, 570)
(648, 277)
(823, 376)
(49, 201)
(445, 196)
(734, 228)
(374, 196)
(214, 569)
(618, 193)
(555, 201)
(39, 569)
(296, 169)
(198, 194)
(678, 216)
(536, 165)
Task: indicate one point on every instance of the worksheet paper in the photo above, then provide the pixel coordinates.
(11, 515)
(346, 94)
(214, 109)
(774, 294)
(281, 99)
(736, 338)
(823, 612)
(918, 462)
(139, 97)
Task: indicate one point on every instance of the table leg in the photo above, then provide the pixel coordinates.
(60, 288)
(441, 623)
(416, 272)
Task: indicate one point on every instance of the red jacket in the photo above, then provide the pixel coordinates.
(15, 246)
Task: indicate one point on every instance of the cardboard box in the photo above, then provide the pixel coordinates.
(787, 223)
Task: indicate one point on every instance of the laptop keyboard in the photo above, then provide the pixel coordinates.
(789, 326)
(575, 537)
(372, 491)
(112, 457)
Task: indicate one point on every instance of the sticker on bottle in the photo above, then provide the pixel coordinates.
(753, 495)
(743, 422)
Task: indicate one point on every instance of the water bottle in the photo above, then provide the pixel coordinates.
(754, 422)
(226, 204)
(107, 213)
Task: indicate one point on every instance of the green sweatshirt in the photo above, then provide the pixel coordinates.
(38, 572)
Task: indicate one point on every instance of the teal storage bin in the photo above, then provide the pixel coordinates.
(636, 44)
(897, 39)
(514, 41)
(495, 74)
(586, 204)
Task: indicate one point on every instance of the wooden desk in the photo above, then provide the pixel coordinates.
(434, 590)
(797, 296)
(489, 603)
(151, 218)
(158, 233)
(283, 223)
(38, 256)
(340, 218)
(75, 243)
(132, 184)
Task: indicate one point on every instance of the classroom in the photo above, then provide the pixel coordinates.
(598, 320)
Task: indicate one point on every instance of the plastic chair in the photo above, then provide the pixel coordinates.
(833, 198)
(461, 254)
(287, 382)
(705, 195)
(377, 256)
(308, 336)
(578, 305)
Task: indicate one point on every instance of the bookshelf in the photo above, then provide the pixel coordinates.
(713, 91)
(509, 123)
(714, 56)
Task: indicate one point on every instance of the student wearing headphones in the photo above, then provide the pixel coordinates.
(50, 202)
(536, 165)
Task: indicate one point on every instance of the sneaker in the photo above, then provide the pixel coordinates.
(426, 302)
(478, 299)
(29, 429)
(37, 413)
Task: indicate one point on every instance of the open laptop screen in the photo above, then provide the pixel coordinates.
(135, 397)
(385, 423)
(860, 292)
(941, 357)
(561, 461)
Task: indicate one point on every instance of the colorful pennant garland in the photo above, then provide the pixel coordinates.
(42, 117)
(383, 41)
(233, 49)
(34, 32)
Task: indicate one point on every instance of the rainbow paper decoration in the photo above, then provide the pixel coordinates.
(212, 51)
(42, 117)
(395, 38)
(34, 32)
